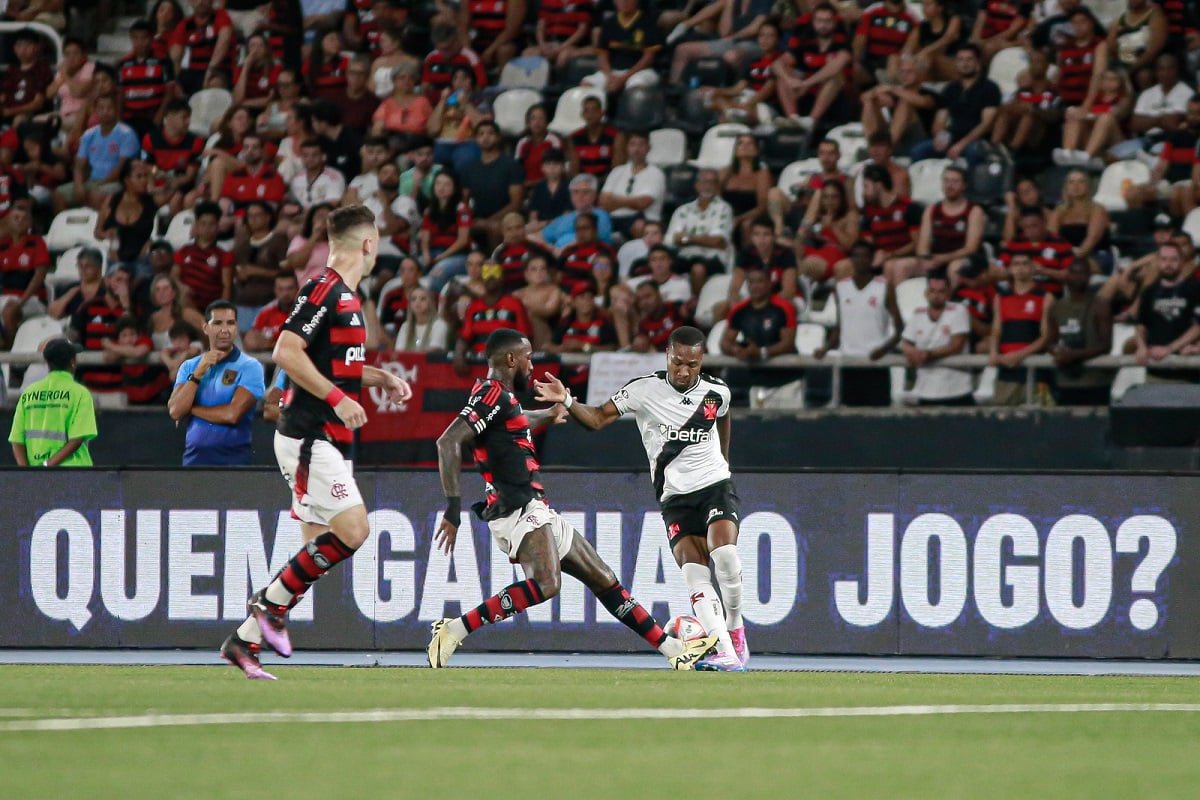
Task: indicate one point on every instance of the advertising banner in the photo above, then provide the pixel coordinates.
(878, 563)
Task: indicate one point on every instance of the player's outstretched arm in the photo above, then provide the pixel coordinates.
(449, 447)
(594, 417)
(546, 416)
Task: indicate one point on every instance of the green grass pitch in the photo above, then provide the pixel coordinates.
(1109, 754)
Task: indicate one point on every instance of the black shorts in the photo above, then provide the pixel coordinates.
(690, 514)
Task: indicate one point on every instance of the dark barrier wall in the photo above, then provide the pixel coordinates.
(1029, 565)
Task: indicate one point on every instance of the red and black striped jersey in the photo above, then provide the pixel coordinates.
(949, 230)
(885, 29)
(439, 71)
(442, 235)
(1176, 12)
(563, 17)
(366, 24)
(999, 15)
(512, 258)
(93, 322)
(893, 226)
(776, 263)
(1044, 98)
(595, 155)
(199, 40)
(144, 84)
(329, 81)
(597, 331)
(142, 382)
(11, 188)
(503, 447)
(20, 259)
(1179, 155)
(201, 270)
(759, 73)
(481, 319)
(812, 60)
(576, 262)
(1053, 252)
(762, 327)
(658, 327)
(1075, 65)
(276, 39)
(243, 186)
(259, 81)
(977, 301)
(328, 317)
(530, 154)
(172, 156)
(393, 311)
(487, 21)
(1020, 317)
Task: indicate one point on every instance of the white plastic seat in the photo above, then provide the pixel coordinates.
(796, 174)
(716, 148)
(810, 337)
(1125, 379)
(1191, 225)
(207, 107)
(1122, 332)
(927, 179)
(910, 295)
(668, 147)
(510, 107)
(71, 228)
(34, 331)
(714, 338)
(712, 292)
(1116, 177)
(852, 144)
(1005, 67)
(179, 232)
(985, 392)
(66, 269)
(1107, 11)
(526, 72)
(568, 114)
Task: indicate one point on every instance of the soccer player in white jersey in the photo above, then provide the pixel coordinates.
(684, 420)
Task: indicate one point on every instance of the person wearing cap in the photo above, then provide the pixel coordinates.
(55, 418)
(493, 311)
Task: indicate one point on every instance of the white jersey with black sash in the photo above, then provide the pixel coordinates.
(679, 430)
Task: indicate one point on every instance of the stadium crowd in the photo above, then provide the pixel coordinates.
(927, 179)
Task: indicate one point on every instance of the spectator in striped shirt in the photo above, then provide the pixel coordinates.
(1022, 123)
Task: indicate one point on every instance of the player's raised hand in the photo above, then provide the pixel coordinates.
(447, 534)
(551, 390)
(350, 413)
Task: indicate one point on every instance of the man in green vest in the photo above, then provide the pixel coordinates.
(55, 417)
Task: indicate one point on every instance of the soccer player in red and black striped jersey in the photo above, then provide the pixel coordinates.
(323, 349)
(521, 523)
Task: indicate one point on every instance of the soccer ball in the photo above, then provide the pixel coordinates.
(685, 627)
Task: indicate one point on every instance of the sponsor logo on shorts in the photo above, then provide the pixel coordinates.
(713, 512)
(339, 491)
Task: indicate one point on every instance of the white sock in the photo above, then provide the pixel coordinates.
(458, 629)
(728, 569)
(249, 631)
(278, 594)
(671, 647)
(707, 605)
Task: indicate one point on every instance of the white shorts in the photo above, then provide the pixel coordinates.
(320, 477)
(510, 531)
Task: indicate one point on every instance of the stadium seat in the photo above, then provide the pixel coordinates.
(1107, 11)
(1005, 67)
(988, 180)
(796, 174)
(510, 107)
(641, 108)
(71, 228)
(1191, 224)
(985, 390)
(1122, 332)
(207, 107)
(927, 179)
(1050, 182)
(716, 149)
(712, 292)
(568, 114)
(668, 147)
(1126, 378)
(34, 331)
(784, 146)
(810, 337)
(66, 269)
(681, 186)
(692, 114)
(179, 232)
(1116, 179)
(576, 70)
(708, 72)
(852, 142)
(714, 338)
(910, 295)
(526, 72)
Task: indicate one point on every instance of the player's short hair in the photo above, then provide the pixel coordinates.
(217, 305)
(501, 340)
(59, 354)
(687, 336)
(345, 219)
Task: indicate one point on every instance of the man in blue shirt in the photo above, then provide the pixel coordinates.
(584, 192)
(103, 151)
(219, 390)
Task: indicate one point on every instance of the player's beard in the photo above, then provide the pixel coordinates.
(520, 382)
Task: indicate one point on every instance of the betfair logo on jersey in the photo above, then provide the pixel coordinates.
(356, 352)
(687, 435)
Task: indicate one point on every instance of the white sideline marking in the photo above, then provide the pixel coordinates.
(569, 714)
